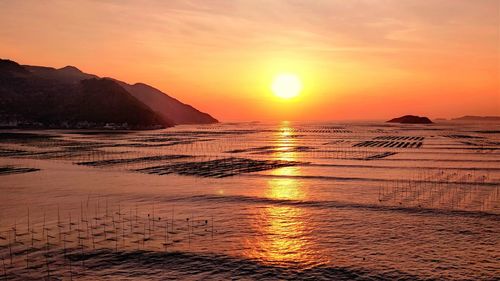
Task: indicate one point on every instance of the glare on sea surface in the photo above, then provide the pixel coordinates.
(283, 229)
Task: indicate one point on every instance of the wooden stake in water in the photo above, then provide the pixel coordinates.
(105, 216)
(47, 257)
(166, 235)
(27, 249)
(116, 234)
(4, 269)
(10, 249)
(189, 232)
(59, 222)
(43, 226)
(153, 217)
(172, 219)
(70, 271)
(27, 258)
(144, 236)
(15, 231)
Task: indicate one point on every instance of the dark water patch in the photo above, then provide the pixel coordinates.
(205, 133)
(13, 152)
(488, 132)
(406, 167)
(415, 138)
(161, 139)
(459, 136)
(24, 137)
(394, 144)
(328, 204)
(8, 170)
(112, 162)
(45, 141)
(482, 144)
(272, 149)
(81, 153)
(179, 265)
(379, 156)
(335, 142)
(253, 149)
(218, 168)
(158, 143)
(100, 133)
(464, 182)
(444, 160)
(323, 130)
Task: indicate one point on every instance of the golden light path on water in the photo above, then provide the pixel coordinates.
(282, 231)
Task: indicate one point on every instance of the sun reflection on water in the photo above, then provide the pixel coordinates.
(285, 142)
(282, 231)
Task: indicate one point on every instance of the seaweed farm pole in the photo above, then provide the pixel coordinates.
(43, 226)
(136, 210)
(70, 270)
(87, 223)
(32, 237)
(15, 231)
(153, 218)
(64, 246)
(123, 229)
(172, 219)
(116, 234)
(166, 235)
(47, 257)
(105, 220)
(149, 226)
(28, 231)
(27, 257)
(144, 235)
(130, 220)
(189, 232)
(81, 243)
(59, 222)
(10, 249)
(93, 238)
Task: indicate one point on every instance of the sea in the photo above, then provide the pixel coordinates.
(252, 201)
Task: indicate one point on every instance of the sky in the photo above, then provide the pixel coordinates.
(356, 59)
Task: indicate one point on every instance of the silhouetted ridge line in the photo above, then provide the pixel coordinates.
(168, 107)
(46, 97)
(472, 118)
(411, 119)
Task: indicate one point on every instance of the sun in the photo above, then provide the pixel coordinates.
(286, 86)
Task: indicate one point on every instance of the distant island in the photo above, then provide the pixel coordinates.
(478, 118)
(411, 119)
(67, 98)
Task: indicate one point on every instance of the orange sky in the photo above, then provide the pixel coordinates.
(366, 59)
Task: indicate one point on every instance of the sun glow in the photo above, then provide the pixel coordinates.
(286, 86)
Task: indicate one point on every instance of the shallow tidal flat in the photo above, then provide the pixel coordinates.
(348, 201)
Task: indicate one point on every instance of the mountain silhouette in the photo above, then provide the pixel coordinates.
(38, 96)
(471, 118)
(167, 106)
(411, 119)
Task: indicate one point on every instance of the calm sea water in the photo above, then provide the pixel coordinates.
(348, 201)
